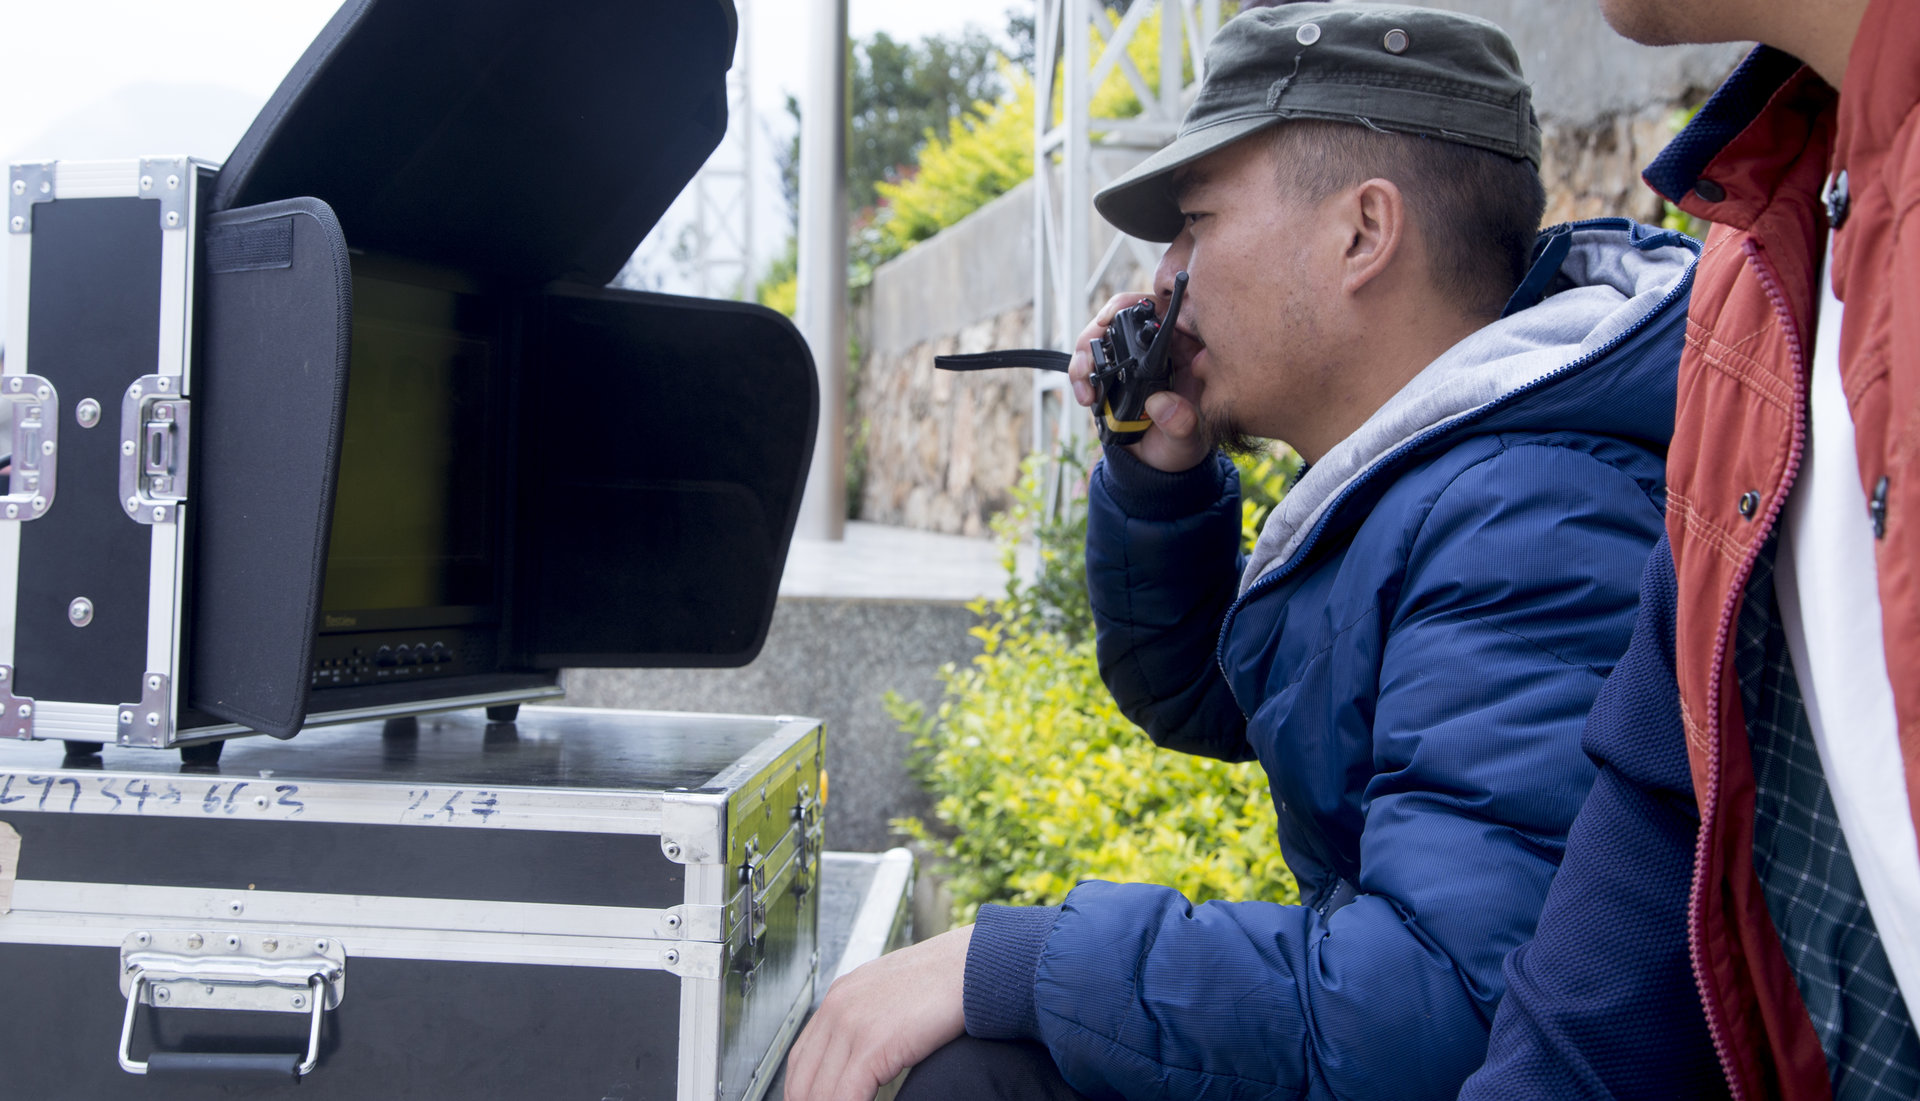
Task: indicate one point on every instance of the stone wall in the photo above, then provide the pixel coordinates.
(942, 450)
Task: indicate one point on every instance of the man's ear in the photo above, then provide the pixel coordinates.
(1376, 220)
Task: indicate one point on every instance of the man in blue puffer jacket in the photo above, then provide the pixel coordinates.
(1413, 645)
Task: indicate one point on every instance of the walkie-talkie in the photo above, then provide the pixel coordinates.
(1129, 365)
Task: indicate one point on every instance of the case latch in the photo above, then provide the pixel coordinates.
(155, 437)
(806, 822)
(258, 972)
(36, 446)
(753, 909)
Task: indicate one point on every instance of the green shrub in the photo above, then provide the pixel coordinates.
(1040, 782)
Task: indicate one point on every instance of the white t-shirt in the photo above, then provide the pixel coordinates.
(1830, 607)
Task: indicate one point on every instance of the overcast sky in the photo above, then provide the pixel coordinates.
(126, 78)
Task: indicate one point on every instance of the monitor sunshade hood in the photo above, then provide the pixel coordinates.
(530, 140)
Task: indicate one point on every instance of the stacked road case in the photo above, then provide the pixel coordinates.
(348, 430)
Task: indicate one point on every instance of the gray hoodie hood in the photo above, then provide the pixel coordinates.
(1618, 278)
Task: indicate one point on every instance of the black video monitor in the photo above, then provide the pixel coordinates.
(416, 519)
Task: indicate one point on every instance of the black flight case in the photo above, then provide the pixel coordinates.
(578, 905)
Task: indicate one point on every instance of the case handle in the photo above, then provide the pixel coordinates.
(232, 1063)
(35, 446)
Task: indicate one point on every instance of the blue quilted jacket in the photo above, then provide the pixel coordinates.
(1410, 652)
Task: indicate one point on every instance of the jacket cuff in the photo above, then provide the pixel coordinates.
(1145, 493)
(1002, 958)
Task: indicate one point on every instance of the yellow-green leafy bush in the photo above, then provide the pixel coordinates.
(1040, 782)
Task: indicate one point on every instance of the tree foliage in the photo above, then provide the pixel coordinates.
(898, 93)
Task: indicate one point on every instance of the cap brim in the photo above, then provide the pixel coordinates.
(1141, 203)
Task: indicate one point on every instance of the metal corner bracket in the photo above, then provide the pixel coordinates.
(168, 179)
(150, 722)
(27, 184)
(693, 828)
(16, 712)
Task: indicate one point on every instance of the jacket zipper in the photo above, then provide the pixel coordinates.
(1729, 608)
(1274, 576)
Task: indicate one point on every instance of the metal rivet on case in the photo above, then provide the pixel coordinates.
(46, 187)
(80, 612)
(146, 183)
(87, 413)
(153, 682)
(234, 942)
(299, 1001)
(133, 504)
(270, 945)
(671, 956)
(153, 718)
(15, 384)
(134, 390)
(673, 852)
(142, 939)
(260, 801)
(43, 393)
(173, 218)
(26, 709)
(1308, 34)
(164, 383)
(125, 717)
(159, 513)
(673, 921)
(320, 946)
(127, 447)
(19, 224)
(39, 503)
(161, 994)
(46, 447)
(173, 182)
(1395, 41)
(19, 187)
(196, 941)
(13, 512)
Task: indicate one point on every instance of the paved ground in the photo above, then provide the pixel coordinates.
(876, 561)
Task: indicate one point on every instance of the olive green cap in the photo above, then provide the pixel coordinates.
(1385, 66)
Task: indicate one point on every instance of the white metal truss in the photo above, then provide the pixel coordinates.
(1077, 47)
(721, 236)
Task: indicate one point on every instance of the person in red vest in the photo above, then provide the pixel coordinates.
(1750, 844)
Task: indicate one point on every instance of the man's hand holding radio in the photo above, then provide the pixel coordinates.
(1175, 442)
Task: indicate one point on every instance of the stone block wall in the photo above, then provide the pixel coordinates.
(943, 448)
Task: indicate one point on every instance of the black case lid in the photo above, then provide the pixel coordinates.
(533, 140)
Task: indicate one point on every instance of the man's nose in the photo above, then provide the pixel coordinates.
(1172, 262)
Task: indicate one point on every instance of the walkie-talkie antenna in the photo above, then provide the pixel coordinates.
(1158, 349)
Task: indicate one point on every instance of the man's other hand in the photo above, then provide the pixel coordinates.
(881, 1019)
(1175, 442)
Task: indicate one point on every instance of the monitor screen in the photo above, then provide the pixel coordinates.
(414, 516)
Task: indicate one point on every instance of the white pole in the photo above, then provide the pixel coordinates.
(822, 290)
